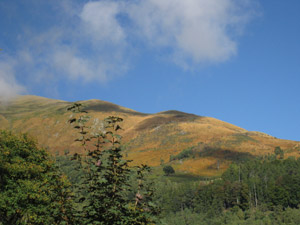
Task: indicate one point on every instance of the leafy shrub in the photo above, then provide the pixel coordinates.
(110, 197)
(32, 190)
(168, 170)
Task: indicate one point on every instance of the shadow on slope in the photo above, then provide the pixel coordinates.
(226, 154)
(101, 106)
(173, 117)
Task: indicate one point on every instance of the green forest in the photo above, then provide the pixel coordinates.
(100, 187)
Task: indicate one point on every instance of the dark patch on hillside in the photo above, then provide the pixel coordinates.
(161, 120)
(226, 154)
(204, 150)
(179, 113)
(109, 107)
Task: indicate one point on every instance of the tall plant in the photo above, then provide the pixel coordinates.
(108, 182)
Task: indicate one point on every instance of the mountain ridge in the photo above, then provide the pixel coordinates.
(208, 145)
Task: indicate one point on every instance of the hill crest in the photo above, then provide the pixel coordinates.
(190, 143)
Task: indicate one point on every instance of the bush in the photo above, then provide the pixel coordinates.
(32, 190)
(168, 170)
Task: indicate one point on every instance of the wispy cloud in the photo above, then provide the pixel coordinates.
(9, 87)
(93, 41)
(100, 21)
(196, 31)
(88, 45)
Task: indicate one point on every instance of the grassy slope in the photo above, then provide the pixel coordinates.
(148, 138)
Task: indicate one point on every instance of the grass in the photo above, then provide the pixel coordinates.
(148, 138)
(102, 106)
(239, 138)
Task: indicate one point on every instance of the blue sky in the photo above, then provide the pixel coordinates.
(234, 60)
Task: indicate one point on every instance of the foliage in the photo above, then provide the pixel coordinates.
(186, 153)
(279, 152)
(109, 197)
(32, 189)
(108, 191)
(168, 170)
(235, 216)
(266, 183)
(258, 191)
(71, 168)
(175, 197)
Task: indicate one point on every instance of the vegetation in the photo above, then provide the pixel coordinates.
(148, 138)
(279, 152)
(109, 196)
(108, 191)
(168, 170)
(186, 153)
(32, 190)
(259, 191)
(103, 189)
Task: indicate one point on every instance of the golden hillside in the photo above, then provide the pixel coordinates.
(191, 143)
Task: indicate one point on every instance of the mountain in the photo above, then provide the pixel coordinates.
(190, 143)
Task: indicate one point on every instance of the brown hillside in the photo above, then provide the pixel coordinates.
(148, 138)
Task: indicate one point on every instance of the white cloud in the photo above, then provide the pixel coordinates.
(100, 21)
(197, 30)
(193, 31)
(9, 87)
(93, 41)
(76, 67)
(65, 52)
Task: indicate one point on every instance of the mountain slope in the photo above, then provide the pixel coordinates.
(191, 143)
